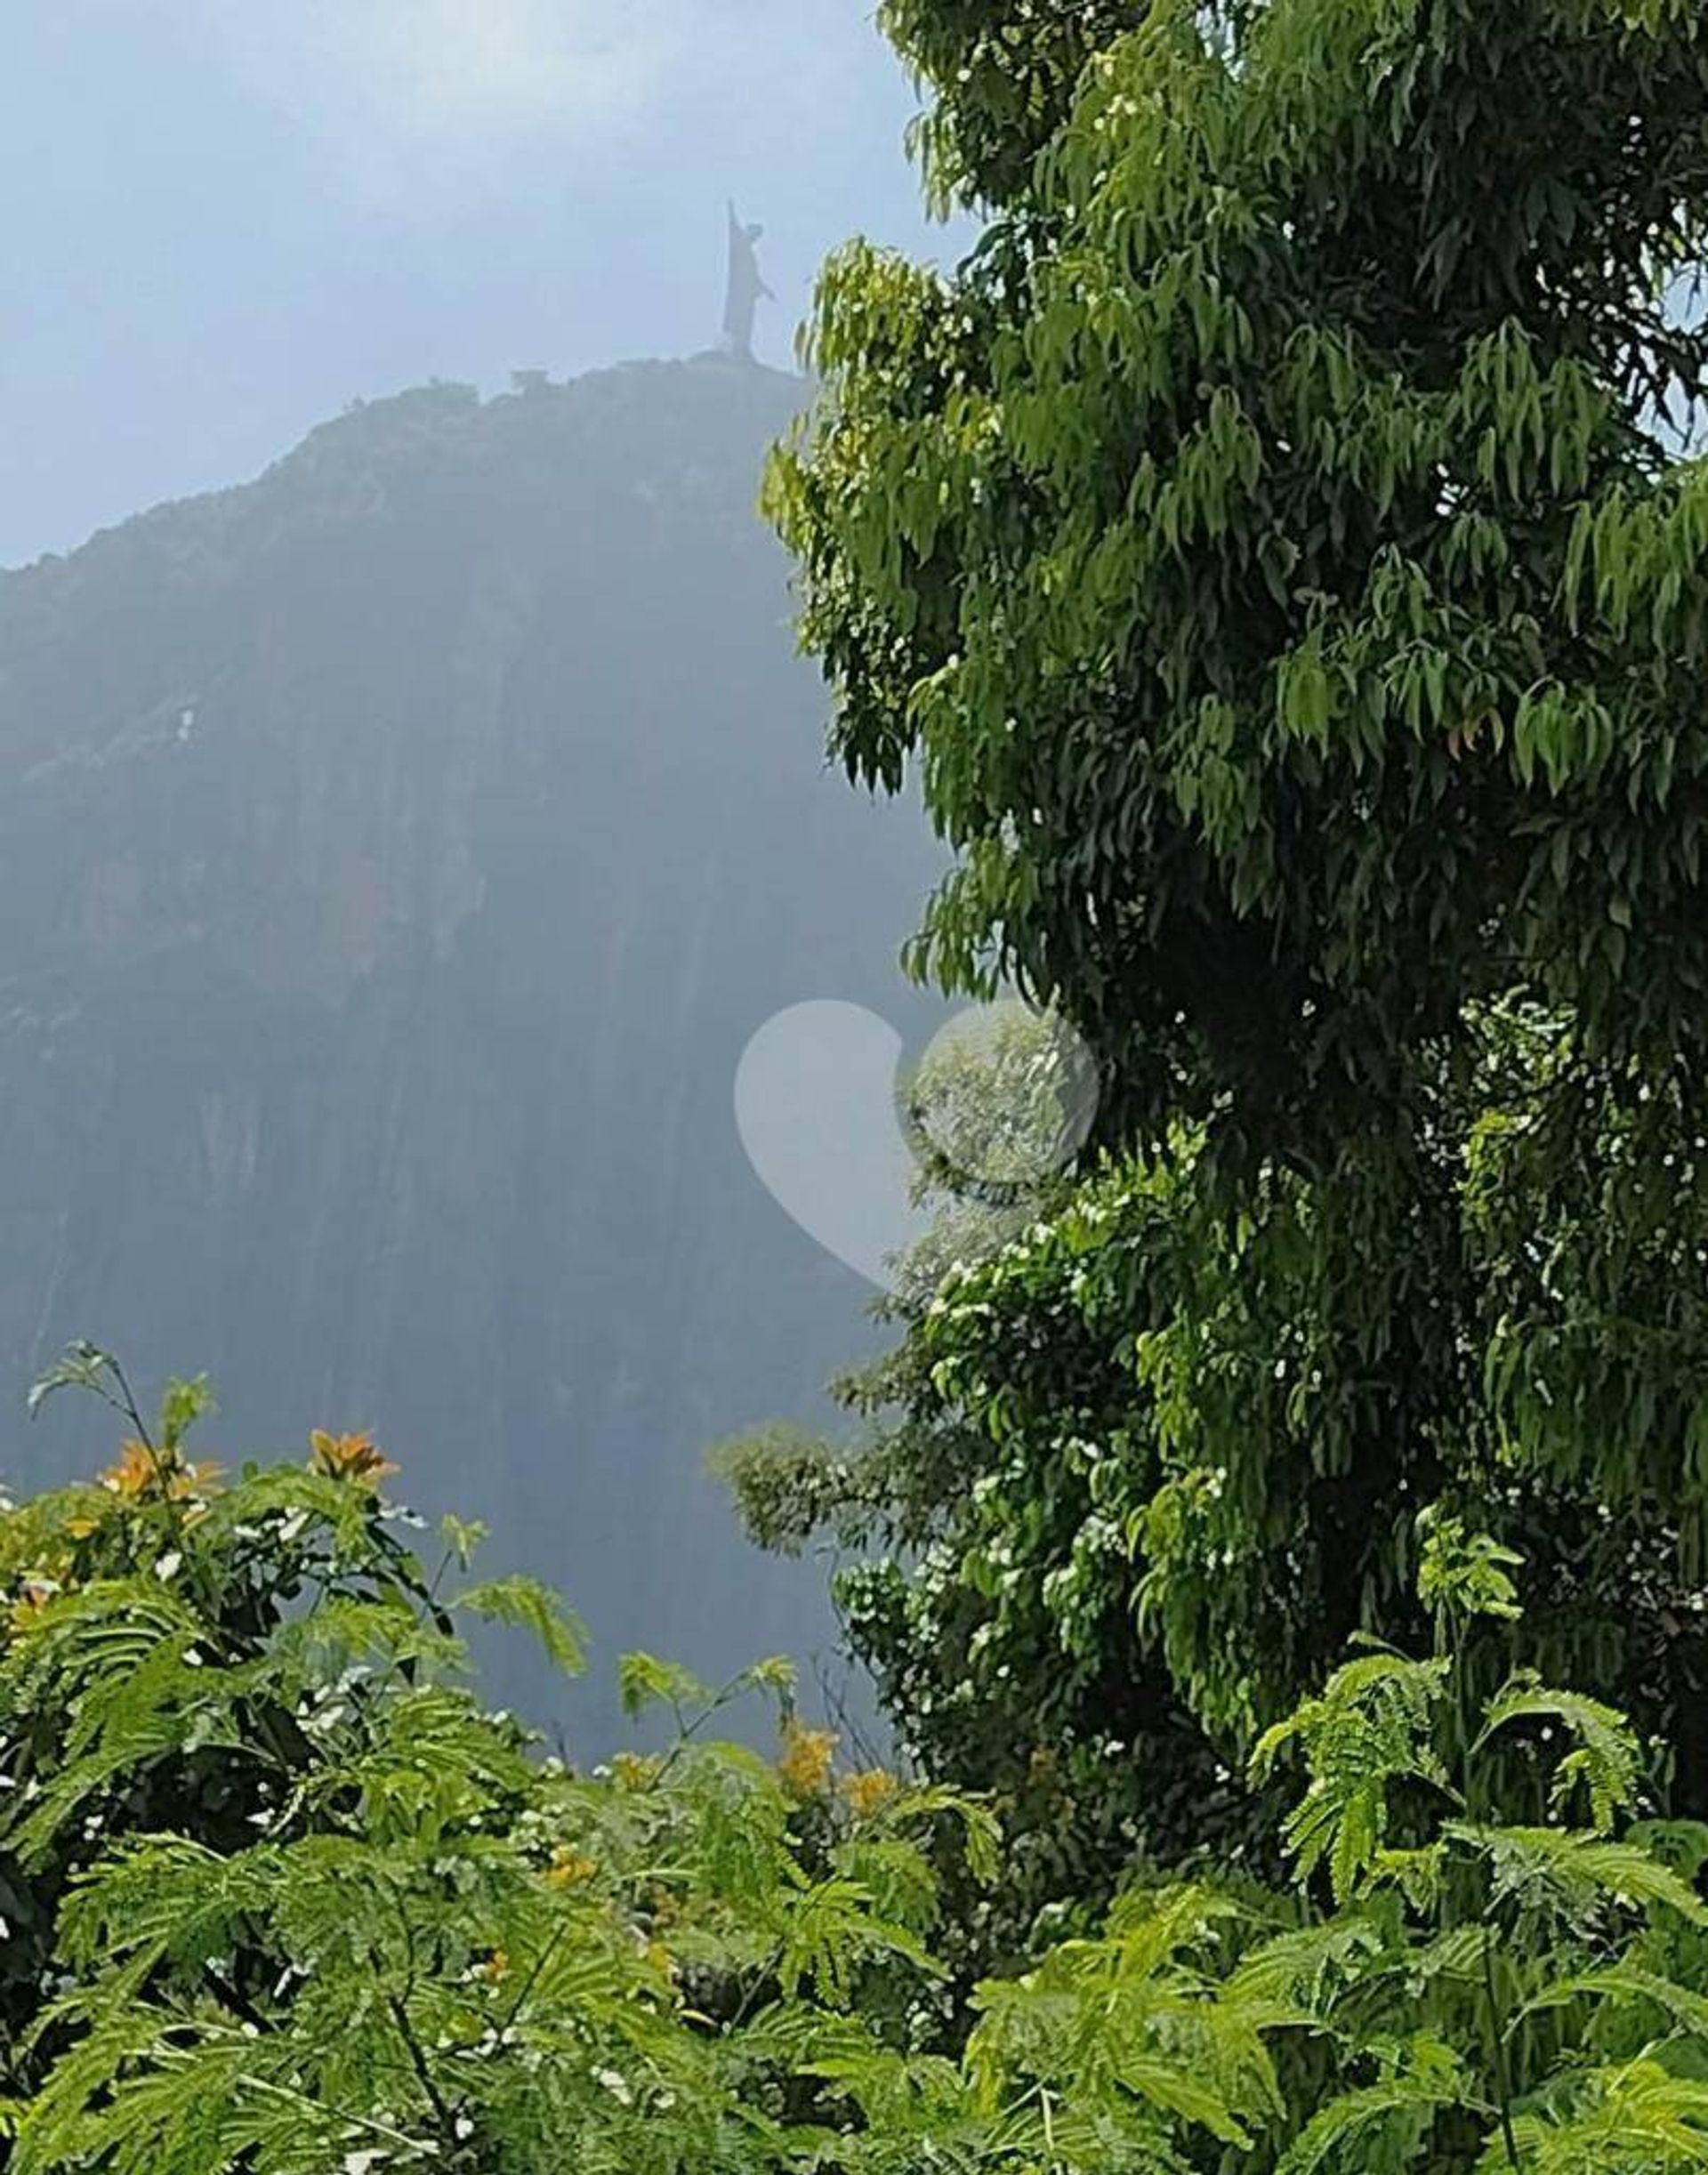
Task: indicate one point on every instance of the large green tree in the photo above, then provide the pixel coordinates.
(1277, 552)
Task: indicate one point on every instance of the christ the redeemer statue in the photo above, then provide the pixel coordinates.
(746, 289)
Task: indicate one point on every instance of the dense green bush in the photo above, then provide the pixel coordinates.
(280, 1895)
(287, 1901)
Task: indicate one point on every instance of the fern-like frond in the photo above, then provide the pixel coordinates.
(1569, 1871)
(1308, 1967)
(1638, 2117)
(1606, 1760)
(528, 1606)
(1382, 2127)
(1373, 1726)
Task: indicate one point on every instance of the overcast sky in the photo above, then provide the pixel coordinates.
(225, 218)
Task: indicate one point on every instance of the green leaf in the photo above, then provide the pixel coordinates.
(528, 1606)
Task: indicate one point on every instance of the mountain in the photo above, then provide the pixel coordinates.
(396, 854)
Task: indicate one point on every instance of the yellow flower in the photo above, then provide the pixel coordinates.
(634, 1772)
(661, 1960)
(569, 1868)
(37, 1591)
(348, 1457)
(496, 1967)
(870, 1792)
(805, 1762)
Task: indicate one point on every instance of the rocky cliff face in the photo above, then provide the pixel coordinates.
(397, 855)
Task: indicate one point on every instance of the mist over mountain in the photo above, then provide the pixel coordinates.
(396, 854)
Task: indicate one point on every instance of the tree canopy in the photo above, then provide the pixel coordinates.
(1268, 542)
(1278, 552)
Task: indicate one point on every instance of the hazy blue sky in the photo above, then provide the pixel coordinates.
(225, 218)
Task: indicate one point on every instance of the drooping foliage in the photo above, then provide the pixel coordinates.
(1278, 551)
(1267, 543)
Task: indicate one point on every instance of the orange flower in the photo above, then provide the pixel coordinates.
(870, 1792)
(135, 1473)
(804, 1762)
(142, 1473)
(349, 1457)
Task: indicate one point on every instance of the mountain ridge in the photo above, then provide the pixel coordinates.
(396, 853)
